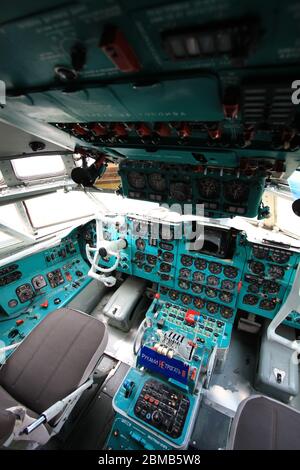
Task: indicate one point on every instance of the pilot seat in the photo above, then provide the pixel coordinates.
(45, 376)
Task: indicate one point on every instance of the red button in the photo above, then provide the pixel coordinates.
(45, 304)
(19, 322)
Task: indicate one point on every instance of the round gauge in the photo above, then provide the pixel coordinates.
(230, 271)
(13, 303)
(173, 294)
(259, 252)
(157, 182)
(212, 308)
(276, 272)
(185, 285)
(254, 288)
(212, 293)
(227, 284)
(198, 276)
(271, 287)
(209, 188)
(280, 257)
(236, 191)
(148, 268)
(184, 273)
(180, 191)
(168, 257)
(200, 264)
(136, 180)
(196, 288)
(268, 304)
(250, 299)
(215, 268)
(226, 297)
(186, 299)
(256, 267)
(198, 303)
(226, 312)
(164, 277)
(151, 260)
(212, 280)
(140, 244)
(164, 290)
(165, 267)
(186, 260)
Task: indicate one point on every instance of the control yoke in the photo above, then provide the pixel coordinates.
(103, 249)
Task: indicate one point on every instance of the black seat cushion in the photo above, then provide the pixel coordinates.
(262, 423)
(56, 357)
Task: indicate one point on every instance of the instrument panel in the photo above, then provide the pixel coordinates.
(223, 192)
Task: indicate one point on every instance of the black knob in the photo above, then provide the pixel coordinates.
(102, 252)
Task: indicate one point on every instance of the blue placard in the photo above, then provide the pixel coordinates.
(171, 368)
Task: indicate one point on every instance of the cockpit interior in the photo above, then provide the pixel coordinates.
(149, 225)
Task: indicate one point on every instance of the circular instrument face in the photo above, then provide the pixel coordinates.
(140, 244)
(151, 259)
(200, 264)
(136, 180)
(231, 272)
(226, 312)
(212, 293)
(226, 297)
(139, 256)
(180, 191)
(259, 252)
(165, 267)
(280, 257)
(185, 285)
(164, 290)
(184, 273)
(196, 288)
(168, 257)
(270, 287)
(198, 276)
(173, 294)
(186, 260)
(198, 303)
(215, 268)
(236, 191)
(276, 272)
(13, 303)
(148, 268)
(157, 182)
(209, 188)
(268, 304)
(250, 299)
(227, 284)
(256, 267)
(186, 299)
(253, 288)
(212, 308)
(212, 280)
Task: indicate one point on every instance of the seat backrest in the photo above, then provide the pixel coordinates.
(262, 423)
(7, 423)
(57, 356)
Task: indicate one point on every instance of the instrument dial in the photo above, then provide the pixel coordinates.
(136, 180)
(140, 244)
(270, 287)
(196, 288)
(198, 303)
(212, 307)
(212, 280)
(173, 294)
(165, 267)
(200, 264)
(139, 256)
(198, 276)
(212, 293)
(186, 299)
(226, 297)
(185, 285)
(226, 312)
(280, 257)
(151, 259)
(231, 272)
(268, 304)
(228, 285)
(209, 188)
(276, 272)
(236, 191)
(157, 182)
(168, 257)
(254, 288)
(215, 268)
(180, 191)
(148, 268)
(250, 299)
(184, 273)
(186, 260)
(256, 267)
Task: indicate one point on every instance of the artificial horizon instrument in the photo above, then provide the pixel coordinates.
(196, 105)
